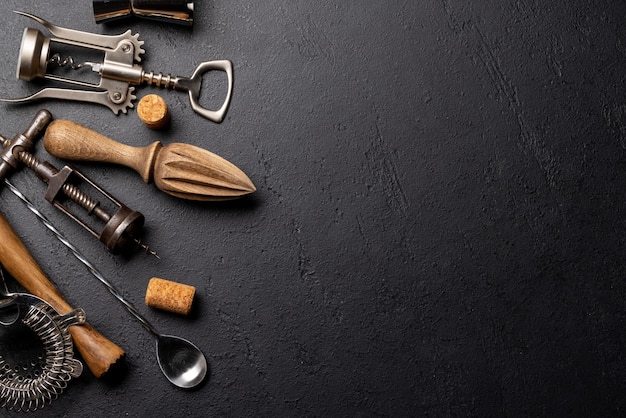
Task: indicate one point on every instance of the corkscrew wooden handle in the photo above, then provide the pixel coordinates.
(98, 352)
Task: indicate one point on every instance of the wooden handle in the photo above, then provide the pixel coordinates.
(98, 352)
(69, 140)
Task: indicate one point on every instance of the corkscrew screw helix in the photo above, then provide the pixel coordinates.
(118, 72)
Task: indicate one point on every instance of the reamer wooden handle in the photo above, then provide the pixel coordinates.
(69, 140)
(98, 352)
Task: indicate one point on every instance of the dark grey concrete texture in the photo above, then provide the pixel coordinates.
(439, 224)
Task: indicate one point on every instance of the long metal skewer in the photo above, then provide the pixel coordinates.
(92, 269)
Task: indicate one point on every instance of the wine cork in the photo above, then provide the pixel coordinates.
(153, 111)
(170, 296)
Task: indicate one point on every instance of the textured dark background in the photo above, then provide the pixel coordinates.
(439, 226)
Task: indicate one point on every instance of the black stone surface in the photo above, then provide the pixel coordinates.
(439, 226)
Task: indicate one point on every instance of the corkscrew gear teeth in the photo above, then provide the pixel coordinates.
(118, 71)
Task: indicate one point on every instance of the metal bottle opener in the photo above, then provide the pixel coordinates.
(117, 72)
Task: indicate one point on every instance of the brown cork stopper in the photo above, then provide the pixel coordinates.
(170, 296)
(153, 111)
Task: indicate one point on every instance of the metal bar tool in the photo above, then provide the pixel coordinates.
(118, 71)
(123, 226)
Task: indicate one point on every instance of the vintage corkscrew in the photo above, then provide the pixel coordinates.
(123, 227)
(28, 384)
(118, 71)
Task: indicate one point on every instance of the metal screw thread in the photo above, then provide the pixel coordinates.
(146, 248)
(62, 62)
(81, 198)
(45, 171)
(159, 80)
(29, 159)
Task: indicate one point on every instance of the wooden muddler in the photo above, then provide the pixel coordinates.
(98, 352)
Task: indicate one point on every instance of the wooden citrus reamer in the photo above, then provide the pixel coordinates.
(181, 170)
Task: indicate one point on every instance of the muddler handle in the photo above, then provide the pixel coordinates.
(98, 352)
(72, 141)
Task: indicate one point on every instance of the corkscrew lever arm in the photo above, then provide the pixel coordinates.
(97, 97)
